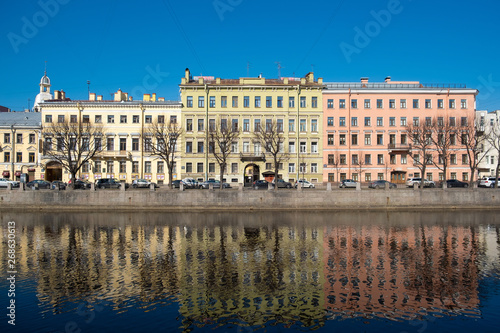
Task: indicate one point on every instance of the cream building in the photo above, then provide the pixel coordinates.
(486, 122)
(126, 155)
(247, 104)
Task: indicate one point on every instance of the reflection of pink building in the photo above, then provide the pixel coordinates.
(366, 122)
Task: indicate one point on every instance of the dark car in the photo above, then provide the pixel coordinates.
(109, 183)
(382, 184)
(41, 184)
(454, 183)
(283, 184)
(80, 184)
(262, 184)
(58, 183)
(177, 183)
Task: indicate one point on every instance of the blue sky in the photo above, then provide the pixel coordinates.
(144, 46)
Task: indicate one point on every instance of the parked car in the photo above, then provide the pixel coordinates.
(80, 184)
(411, 182)
(216, 184)
(262, 184)
(487, 182)
(109, 183)
(143, 183)
(348, 183)
(304, 184)
(42, 184)
(4, 182)
(177, 183)
(454, 183)
(283, 184)
(58, 183)
(382, 184)
(191, 183)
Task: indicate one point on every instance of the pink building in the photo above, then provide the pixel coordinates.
(365, 128)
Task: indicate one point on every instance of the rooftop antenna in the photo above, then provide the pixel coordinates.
(312, 68)
(29, 100)
(279, 68)
(248, 68)
(45, 72)
(88, 86)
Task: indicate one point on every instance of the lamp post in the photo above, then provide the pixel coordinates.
(13, 149)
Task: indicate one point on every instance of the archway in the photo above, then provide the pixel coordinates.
(252, 172)
(53, 171)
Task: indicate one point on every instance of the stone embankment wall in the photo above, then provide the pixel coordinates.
(246, 200)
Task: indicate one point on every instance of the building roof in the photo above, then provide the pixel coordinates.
(20, 119)
(56, 102)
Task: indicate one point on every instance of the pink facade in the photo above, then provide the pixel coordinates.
(367, 122)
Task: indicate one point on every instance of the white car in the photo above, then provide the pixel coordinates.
(4, 182)
(487, 182)
(304, 184)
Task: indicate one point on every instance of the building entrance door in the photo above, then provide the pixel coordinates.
(398, 177)
(53, 171)
(252, 172)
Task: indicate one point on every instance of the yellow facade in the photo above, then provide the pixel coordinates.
(248, 103)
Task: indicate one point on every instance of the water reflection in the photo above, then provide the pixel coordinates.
(297, 269)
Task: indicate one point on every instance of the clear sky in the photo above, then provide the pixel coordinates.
(144, 46)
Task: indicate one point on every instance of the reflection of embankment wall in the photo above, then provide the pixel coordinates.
(255, 200)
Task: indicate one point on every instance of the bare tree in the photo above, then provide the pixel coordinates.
(220, 139)
(493, 138)
(75, 144)
(420, 137)
(167, 135)
(359, 166)
(474, 139)
(443, 138)
(336, 164)
(272, 139)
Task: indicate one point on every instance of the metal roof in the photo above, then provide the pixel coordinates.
(20, 119)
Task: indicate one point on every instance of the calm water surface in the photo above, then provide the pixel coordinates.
(263, 272)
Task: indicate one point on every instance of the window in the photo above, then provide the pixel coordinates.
(380, 104)
(314, 125)
(161, 119)
(403, 139)
(291, 125)
(235, 101)
(368, 139)
(380, 159)
(110, 166)
(354, 139)
(201, 101)
(331, 159)
(123, 167)
(211, 167)
(314, 147)
(463, 104)
(368, 121)
(148, 144)
(428, 104)
(6, 156)
(201, 125)
(111, 119)
(392, 159)
(19, 138)
(451, 103)
(367, 104)
(368, 159)
(234, 147)
(453, 122)
(32, 138)
(342, 121)
(268, 166)
(303, 125)
(246, 147)
(48, 118)
(380, 121)
(257, 101)
(234, 125)
(415, 104)
(343, 159)
(342, 103)
(147, 167)
(123, 144)
(453, 159)
(189, 125)
(440, 104)
(279, 125)
(211, 124)
(199, 167)
(354, 121)
(257, 148)
(428, 159)
(465, 159)
(269, 102)
(404, 159)
(403, 121)
(428, 121)
(135, 144)
(329, 104)
(330, 140)
(392, 104)
(189, 147)
(98, 119)
(200, 145)
(246, 101)
(314, 102)
(98, 144)
(392, 121)
(246, 125)
(291, 102)
(402, 103)
(60, 118)
(111, 144)
(329, 121)
(211, 101)
(314, 167)
(302, 102)
(354, 103)
(440, 121)
(342, 141)
(303, 147)
(416, 121)
(73, 118)
(453, 139)
(256, 125)
(223, 102)
(380, 139)
(19, 157)
(280, 101)
(291, 147)
(354, 159)
(189, 101)
(189, 167)
(291, 167)
(173, 119)
(463, 121)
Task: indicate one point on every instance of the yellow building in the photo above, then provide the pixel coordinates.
(126, 155)
(19, 145)
(248, 103)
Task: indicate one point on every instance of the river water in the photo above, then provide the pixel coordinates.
(263, 272)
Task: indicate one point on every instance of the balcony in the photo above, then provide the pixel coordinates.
(395, 148)
(252, 157)
(113, 153)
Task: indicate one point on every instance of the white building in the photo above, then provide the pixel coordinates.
(485, 122)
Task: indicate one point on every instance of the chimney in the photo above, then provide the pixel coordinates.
(187, 75)
(364, 80)
(99, 97)
(153, 97)
(388, 79)
(161, 99)
(130, 98)
(146, 97)
(320, 80)
(125, 97)
(310, 77)
(118, 95)
(63, 95)
(57, 95)
(92, 97)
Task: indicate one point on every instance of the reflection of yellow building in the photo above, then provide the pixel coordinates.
(247, 104)
(19, 145)
(126, 155)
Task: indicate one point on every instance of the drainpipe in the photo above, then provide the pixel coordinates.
(13, 149)
(142, 136)
(298, 135)
(80, 108)
(207, 128)
(348, 138)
